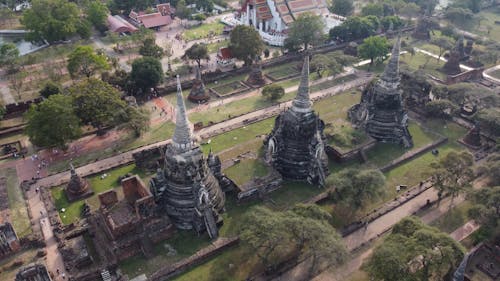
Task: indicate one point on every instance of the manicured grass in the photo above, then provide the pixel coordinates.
(229, 88)
(215, 46)
(342, 135)
(454, 218)
(283, 70)
(18, 212)
(73, 210)
(424, 62)
(243, 134)
(203, 31)
(185, 244)
(227, 80)
(157, 132)
(246, 170)
(495, 73)
(335, 107)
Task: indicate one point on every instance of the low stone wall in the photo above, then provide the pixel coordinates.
(465, 76)
(412, 154)
(354, 154)
(202, 255)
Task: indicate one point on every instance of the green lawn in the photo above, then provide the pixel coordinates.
(427, 63)
(283, 70)
(17, 205)
(246, 170)
(230, 88)
(495, 73)
(454, 218)
(203, 31)
(185, 244)
(98, 185)
(215, 46)
(331, 83)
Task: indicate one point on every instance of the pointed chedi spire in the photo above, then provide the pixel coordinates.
(182, 135)
(198, 73)
(302, 103)
(391, 72)
(72, 169)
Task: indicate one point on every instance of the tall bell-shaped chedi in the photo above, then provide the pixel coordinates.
(186, 188)
(296, 147)
(198, 92)
(381, 110)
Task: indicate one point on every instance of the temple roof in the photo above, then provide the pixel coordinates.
(391, 72)
(289, 10)
(183, 137)
(302, 103)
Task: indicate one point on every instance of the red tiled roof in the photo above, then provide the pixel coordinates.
(291, 9)
(154, 20)
(119, 25)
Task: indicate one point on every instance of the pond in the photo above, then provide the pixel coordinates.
(24, 47)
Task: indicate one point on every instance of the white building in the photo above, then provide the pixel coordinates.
(272, 17)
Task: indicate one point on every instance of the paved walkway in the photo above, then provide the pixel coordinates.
(464, 67)
(54, 260)
(486, 74)
(5, 94)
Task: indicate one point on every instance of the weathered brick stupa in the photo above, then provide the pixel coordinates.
(186, 189)
(295, 147)
(77, 187)
(381, 110)
(33, 272)
(198, 93)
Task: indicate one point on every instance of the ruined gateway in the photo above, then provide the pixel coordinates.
(186, 189)
(381, 111)
(295, 147)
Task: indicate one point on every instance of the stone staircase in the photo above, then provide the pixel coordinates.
(105, 275)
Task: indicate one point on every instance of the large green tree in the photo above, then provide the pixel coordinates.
(124, 6)
(149, 48)
(197, 52)
(304, 231)
(322, 64)
(342, 7)
(146, 73)
(245, 43)
(53, 122)
(444, 43)
(414, 251)
(9, 56)
(453, 173)
(486, 209)
(273, 92)
(84, 61)
(353, 28)
(374, 47)
(96, 14)
(97, 103)
(51, 20)
(355, 188)
(373, 9)
(307, 30)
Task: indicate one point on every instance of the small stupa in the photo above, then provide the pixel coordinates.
(77, 187)
(198, 93)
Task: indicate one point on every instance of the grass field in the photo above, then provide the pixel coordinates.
(246, 170)
(230, 88)
(424, 62)
(17, 205)
(454, 218)
(215, 46)
(203, 31)
(73, 210)
(282, 71)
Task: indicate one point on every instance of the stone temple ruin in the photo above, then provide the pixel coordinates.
(295, 147)
(457, 54)
(77, 187)
(198, 93)
(124, 228)
(186, 188)
(381, 110)
(9, 242)
(33, 272)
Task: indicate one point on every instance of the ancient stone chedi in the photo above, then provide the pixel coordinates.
(295, 147)
(381, 110)
(198, 92)
(186, 189)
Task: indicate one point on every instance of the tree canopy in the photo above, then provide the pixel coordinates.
(453, 173)
(355, 188)
(373, 48)
(305, 31)
(245, 43)
(273, 92)
(50, 88)
(149, 48)
(324, 63)
(9, 55)
(373, 9)
(146, 73)
(342, 7)
(96, 14)
(197, 52)
(84, 61)
(97, 103)
(53, 122)
(414, 251)
(353, 28)
(303, 231)
(52, 20)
